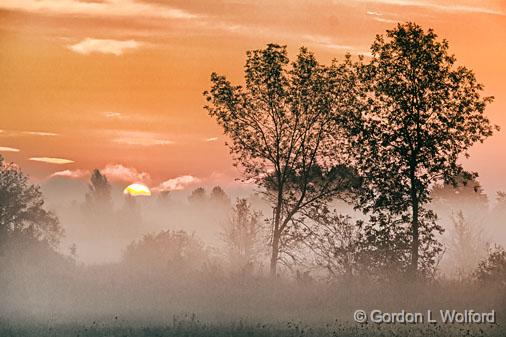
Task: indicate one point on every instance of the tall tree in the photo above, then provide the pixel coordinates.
(98, 199)
(22, 208)
(283, 130)
(241, 235)
(198, 196)
(421, 114)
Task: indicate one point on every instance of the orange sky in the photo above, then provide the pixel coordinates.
(118, 83)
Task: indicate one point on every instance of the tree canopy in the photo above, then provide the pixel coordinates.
(420, 115)
(284, 132)
(22, 210)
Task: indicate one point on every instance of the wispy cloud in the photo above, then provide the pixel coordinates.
(113, 114)
(377, 16)
(103, 46)
(119, 172)
(40, 133)
(51, 160)
(9, 133)
(75, 174)
(445, 7)
(211, 139)
(141, 139)
(113, 172)
(176, 184)
(328, 42)
(98, 8)
(8, 149)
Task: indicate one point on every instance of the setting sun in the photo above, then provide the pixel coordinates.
(137, 189)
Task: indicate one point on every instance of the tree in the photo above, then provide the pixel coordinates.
(241, 235)
(466, 247)
(334, 242)
(22, 211)
(466, 196)
(284, 132)
(167, 253)
(219, 197)
(493, 268)
(198, 196)
(421, 113)
(98, 199)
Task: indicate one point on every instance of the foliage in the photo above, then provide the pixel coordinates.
(175, 251)
(492, 270)
(98, 199)
(283, 131)
(466, 247)
(198, 195)
(421, 113)
(22, 209)
(333, 239)
(219, 198)
(241, 236)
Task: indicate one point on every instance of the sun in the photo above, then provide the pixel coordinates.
(137, 189)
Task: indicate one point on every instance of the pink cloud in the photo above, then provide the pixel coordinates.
(75, 174)
(118, 172)
(177, 184)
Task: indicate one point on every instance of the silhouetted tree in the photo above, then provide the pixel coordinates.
(466, 247)
(241, 236)
(129, 216)
(98, 199)
(421, 113)
(22, 211)
(492, 270)
(174, 252)
(334, 241)
(219, 197)
(198, 195)
(284, 131)
(466, 196)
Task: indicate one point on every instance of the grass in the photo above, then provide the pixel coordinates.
(189, 326)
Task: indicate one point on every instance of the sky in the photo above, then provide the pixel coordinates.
(117, 84)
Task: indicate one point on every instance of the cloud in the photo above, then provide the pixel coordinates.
(112, 8)
(119, 172)
(75, 174)
(141, 139)
(212, 139)
(377, 16)
(176, 184)
(113, 114)
(453, 8)
(113, 172)
(27, 133)
(327, 42)
(50, 160)
(8, 149)
(103, 46)
(40, 133)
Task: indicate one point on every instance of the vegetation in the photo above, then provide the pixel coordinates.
(354, 161)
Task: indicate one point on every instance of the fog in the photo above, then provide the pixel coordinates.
(163, 258)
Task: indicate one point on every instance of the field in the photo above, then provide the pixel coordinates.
(190, 326)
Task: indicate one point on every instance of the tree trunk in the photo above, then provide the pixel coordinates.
(415, 224)
(415, 244)
(276, 235)
(275, 253)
